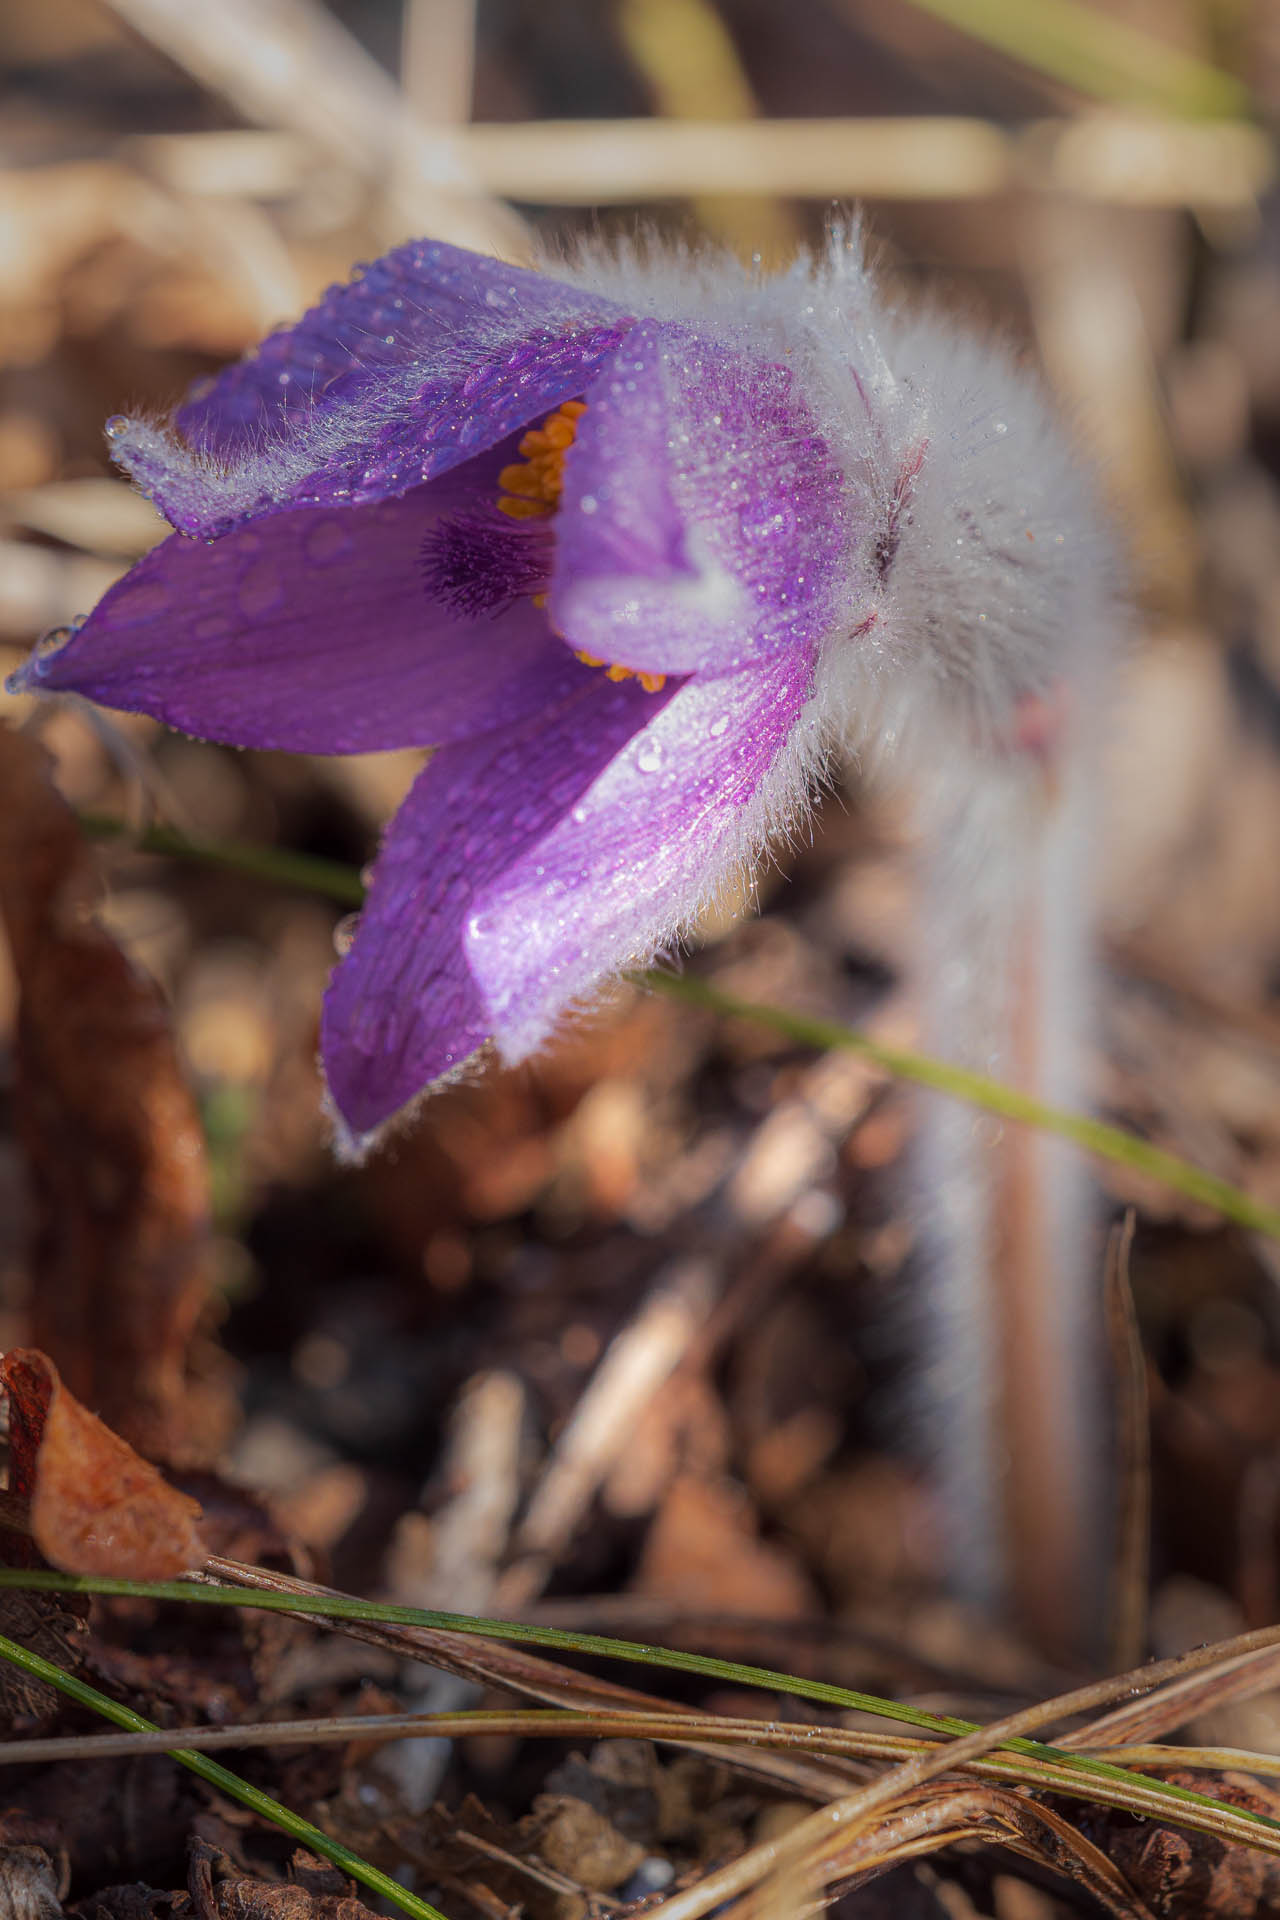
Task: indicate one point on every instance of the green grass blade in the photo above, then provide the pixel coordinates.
(1077, 1769)
(978, 1090)
(341, 884)
(226, 1782)
(1101, 56)
(305, 872)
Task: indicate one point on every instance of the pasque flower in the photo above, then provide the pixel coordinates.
(634, 549)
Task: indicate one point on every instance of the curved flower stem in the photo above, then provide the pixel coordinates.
(340, 883)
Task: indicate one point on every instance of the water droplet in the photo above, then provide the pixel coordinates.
(326, 542)
(53, 641)
(260, 589)
(718, 725)
(116, 425)
(344, 935)
(650, 756)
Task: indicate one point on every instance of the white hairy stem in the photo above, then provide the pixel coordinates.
(1011, 1247)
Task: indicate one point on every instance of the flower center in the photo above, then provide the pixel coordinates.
(531, 486)
(531, 489)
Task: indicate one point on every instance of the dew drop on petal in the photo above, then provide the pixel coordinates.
(649, 758)
(116, 425)
(719, 725)
(260, 590)
(344, 935)
(53, 641)
(326, 542)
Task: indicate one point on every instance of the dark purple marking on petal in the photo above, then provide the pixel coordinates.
(477, 563)
(652, 841)
(313, 632)
(704, 521)
(403, 1010)
(431, 355)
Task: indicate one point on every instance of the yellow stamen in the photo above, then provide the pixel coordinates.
(519, 509)
(531, 490)
(539, 476)
(517, 479)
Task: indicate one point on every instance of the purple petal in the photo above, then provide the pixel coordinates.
(704, 522)
(314, 632)
(431, 355)
(403, 1010)
(662, 830)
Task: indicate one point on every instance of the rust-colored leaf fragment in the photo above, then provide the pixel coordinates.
(217, 1892)
(112, 1142)
(96, 1505)
(1197, 1876)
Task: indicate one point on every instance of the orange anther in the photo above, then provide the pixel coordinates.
(517, 479)
(519, 509)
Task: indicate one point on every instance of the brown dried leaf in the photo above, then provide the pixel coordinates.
(28, 1885)
(53, 1625)
(114, 1153)
(939, 1815)
(583, 1845)
(96, 1505)
(704, 1552)
(1196, 1876)
(218, 1894)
